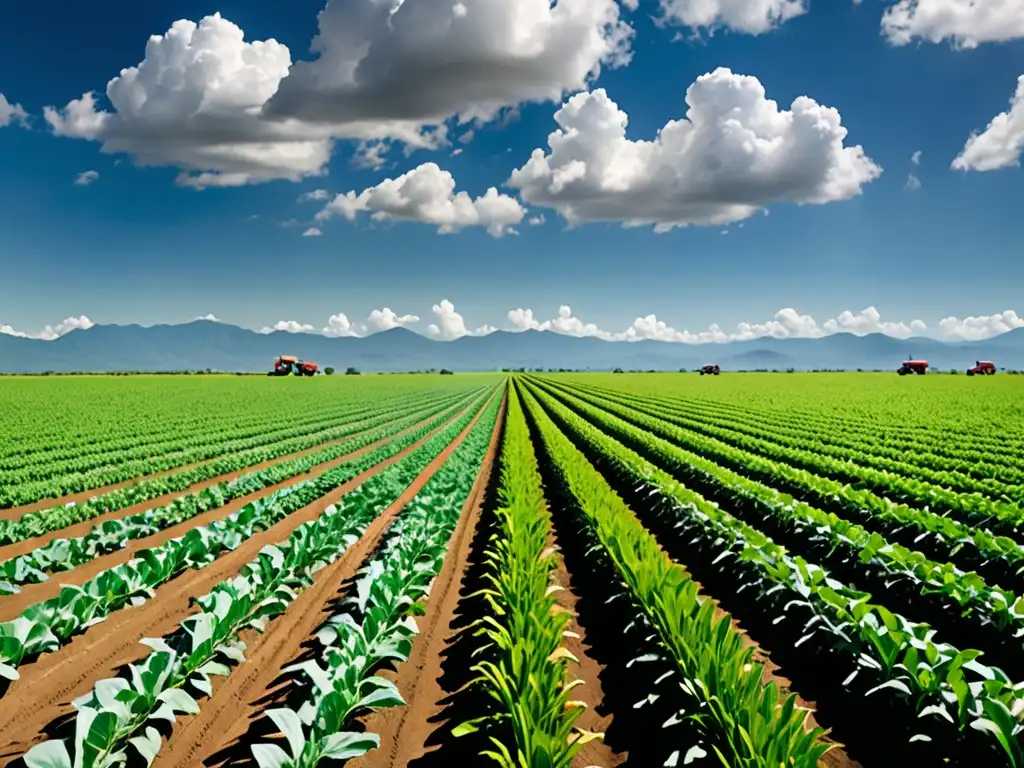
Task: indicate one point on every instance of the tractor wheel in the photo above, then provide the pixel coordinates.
(970, 373)
(715, 372)
(902, 372)
(702, 373)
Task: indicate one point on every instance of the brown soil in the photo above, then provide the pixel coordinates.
(47, 686)
(13, 513)
(591, 693)
(226, 717)
(404, 730)
(11, 606)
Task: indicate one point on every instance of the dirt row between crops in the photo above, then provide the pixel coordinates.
(47, 686)
(218, 732)
(33, 593)
(404, 730)
(13, 513)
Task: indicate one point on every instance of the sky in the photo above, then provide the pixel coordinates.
(687, 170)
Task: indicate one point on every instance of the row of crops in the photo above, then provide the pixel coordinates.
(725, 560)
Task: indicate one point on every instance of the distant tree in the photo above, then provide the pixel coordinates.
(328, 371)
(350, 371)
(446, 372)
(617, 370)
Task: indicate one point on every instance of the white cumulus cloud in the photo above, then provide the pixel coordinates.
(916, 157)
(229, 112)
(422, 62)
(753, 17)
(451, 325)
(291, 326)
(981, 327)
(965, 23)
(194, 103)
(378, 320)
(735, 153)
(11, 113)
(1001, 143)
(85, 178)
(340, 325)
(523, 320)
(427, 194)
(787, 323)
(211, 317)
(312, 232)
(316, 194)
(51, 332)
(913, 183)
(386, 319)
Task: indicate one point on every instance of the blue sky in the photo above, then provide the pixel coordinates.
(135, 246)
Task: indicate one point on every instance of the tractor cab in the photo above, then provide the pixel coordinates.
(913, 366)
(709, 369)
(284, 365)
(982, 368)
(287, 365)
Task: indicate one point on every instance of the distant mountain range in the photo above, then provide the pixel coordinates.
(205, 344)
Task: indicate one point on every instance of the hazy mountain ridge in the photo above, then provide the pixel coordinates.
(205, 344)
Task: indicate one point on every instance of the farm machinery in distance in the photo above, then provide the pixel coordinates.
(982, 368)
(286, 365)
(710, 369)
(913, 366)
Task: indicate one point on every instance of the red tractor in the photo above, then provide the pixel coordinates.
(710, 369)
(982, 368)
(289, 364)
(913, 366)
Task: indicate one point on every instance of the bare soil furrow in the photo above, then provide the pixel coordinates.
(596, 718)
(46, 688)
(213, 736)
(405, 731)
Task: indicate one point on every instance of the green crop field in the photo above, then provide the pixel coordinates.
(532, 571)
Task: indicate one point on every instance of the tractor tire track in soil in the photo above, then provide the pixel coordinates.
(37, 703)
(404, 731)
(12, 605)
(13, 513)
(835, 758)
(217, 735)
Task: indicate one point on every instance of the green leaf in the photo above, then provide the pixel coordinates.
(148, 745)
(271, 756)
(345, 745)
(290, 725)
(48, 754)
(179, 701)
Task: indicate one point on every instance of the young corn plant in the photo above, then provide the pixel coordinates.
(957, 689)
(116, 721)
(66, 554)
(745, 723)
(375, 625)
(527, 672)
(76, 608)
